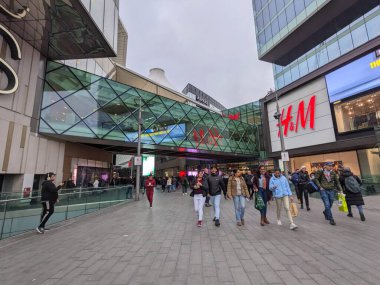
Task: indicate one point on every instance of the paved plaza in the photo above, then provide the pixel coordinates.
(132, 244)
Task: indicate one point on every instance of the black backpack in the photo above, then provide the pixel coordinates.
(352, 185)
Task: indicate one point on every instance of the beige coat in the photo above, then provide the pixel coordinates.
(231, 187)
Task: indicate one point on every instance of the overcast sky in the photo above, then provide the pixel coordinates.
(208, 43)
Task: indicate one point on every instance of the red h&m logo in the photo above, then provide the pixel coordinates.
(234, 117)
(211, 139)
(288, 123)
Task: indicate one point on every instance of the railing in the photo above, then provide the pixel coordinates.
(23, 214)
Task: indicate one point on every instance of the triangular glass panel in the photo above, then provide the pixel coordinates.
(59, 116)
(117, 135)
(63, 81)
(49, 96)
(117, 110)
(146, 96)
(130, 128)
(119, 88)
(51, 65)
(102, 92)
(176, 133)
(84, 77)
(45, 128)
(131, 99)
(82, 103)
(80, 130)
(177, 112)
(167, 102)
(100, 123)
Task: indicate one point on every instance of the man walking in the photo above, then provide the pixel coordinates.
(328, 183)
(249, 181)
(205, 177)
(216, 186)
(49, 196)
(150, 183)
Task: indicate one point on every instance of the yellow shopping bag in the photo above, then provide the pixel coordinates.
(293, 209)
(342, 203)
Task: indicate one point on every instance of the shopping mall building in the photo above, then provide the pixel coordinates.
(326, 65)
(68, 104)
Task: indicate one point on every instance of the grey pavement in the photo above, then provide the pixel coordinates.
(133, 244)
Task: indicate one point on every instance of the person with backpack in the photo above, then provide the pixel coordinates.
(249, 177)
(303, 180)
(352, 189)
(295, 179)
(328, 183)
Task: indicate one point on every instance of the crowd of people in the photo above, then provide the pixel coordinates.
(241, 186)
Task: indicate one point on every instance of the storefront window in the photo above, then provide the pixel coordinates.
(359, 113)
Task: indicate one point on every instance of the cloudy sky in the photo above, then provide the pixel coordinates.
(209, 43)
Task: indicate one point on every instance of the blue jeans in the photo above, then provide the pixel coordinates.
(215, 201)
(328, 200)
(239, 203)
(128, 194)
(264, 196)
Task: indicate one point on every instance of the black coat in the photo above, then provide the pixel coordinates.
(352, 199)
(216, 185)
(202, 190)
(49, 191)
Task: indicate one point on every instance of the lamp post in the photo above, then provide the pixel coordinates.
(138, 166)
(277, 116)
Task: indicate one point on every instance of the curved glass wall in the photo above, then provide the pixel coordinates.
(78, 103)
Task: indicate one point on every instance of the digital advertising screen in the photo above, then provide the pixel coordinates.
(148, 162)
(354, 78)
(165, 134)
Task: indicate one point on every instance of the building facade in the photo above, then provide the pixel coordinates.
(328, 89)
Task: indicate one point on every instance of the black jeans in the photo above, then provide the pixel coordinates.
(250, 190)
(47, 211)
(303, 193)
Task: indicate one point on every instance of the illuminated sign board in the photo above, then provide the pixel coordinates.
(354, 78)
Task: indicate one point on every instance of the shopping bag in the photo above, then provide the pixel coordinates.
(259, 202)
(342, 203)
(293, 209)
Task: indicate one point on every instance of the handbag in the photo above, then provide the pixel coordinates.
(259, 202)
(293, 209)
(311, 187)
(192, 194)
(342, 203)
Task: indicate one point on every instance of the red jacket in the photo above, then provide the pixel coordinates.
(150, 184)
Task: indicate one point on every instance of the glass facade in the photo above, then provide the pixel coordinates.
(78, 103)
(275, 19)
(360, 31)
(359, 113)
(105, 13)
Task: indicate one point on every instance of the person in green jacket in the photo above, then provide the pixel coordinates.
(328, 183)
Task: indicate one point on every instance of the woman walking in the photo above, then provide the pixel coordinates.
(261, 184)
(303, 180)
(200, 191)
(279, 185)
(169, 184)
(150, 183)
(351, 185)
(238, 191)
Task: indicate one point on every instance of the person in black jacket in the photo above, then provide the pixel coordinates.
(205, 176)
(216, 186)
(303, 180)
(49, 196)
(261, 185)
(200, 192)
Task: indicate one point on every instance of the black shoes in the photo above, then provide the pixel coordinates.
(217, 223)
(326, 218)
(332, 222)
(362, 217)
(208, 205)
(350, 215)
(214, 219)
(308, 208)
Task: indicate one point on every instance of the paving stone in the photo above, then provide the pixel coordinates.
(163, 246)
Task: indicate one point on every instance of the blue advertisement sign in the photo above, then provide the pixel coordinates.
(354, 78)
(165, 134)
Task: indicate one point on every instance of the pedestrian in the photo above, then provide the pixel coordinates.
(200, 192)
(225, 181)
(249, 177)
(303, 180)
(185, 184)
(295, 178)
(205, 176)
(328, 183)
(280, 187)
(49, 196)
(238, 191)
(149, 184)
(216, 187)
(261, 184)
(96, 183)
(169, 184)
(163, 184)
(351, 185)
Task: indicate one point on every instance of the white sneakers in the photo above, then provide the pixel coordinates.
(293, 226)
(279, 223)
